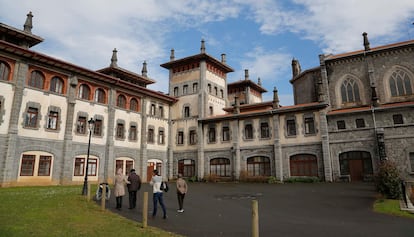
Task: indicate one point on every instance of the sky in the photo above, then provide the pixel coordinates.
(262, 36)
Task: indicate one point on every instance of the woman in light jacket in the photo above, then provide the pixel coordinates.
(120, 181)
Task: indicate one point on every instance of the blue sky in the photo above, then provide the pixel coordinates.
(259, 35)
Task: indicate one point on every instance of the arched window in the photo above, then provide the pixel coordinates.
(186, 167)
(220, 167)
(258, 166)
(303, 165)
(37, 79)
(121, 102)
(100, 95)
(350, 91)
(133, 104)
(84, 92)
(4, 71)
(400, 83)
(56, 85)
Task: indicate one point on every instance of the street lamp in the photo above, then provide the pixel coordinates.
(91, 122)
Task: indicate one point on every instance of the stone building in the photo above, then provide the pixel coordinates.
(352, 111)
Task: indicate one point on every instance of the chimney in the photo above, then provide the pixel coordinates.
(275, 99)
(144, 69)
(28, 24)
(114, 58)
(366, 42)
(172, 57)
(223, 58)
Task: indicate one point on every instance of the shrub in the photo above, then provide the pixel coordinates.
(272, 180)
(302, 179)
(388, 181)
(212, 178)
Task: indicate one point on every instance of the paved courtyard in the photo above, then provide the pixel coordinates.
(224, 209)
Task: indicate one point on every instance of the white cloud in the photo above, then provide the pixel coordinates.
(269, 66)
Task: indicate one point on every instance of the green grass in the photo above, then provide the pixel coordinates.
(62, 211)
(391, 207)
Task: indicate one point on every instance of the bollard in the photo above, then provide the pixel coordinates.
(255, 219)
(145, 210)
(103, 199)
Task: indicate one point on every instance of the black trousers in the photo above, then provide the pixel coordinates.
(119, 202)
(180, 197)
(132, 199)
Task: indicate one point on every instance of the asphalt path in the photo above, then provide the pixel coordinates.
(286, 210)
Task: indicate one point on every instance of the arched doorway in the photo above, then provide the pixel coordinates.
(304, 165)
(356, 164)
(153, 164)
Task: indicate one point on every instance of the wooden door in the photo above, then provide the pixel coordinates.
(150, 169)
(356, 169)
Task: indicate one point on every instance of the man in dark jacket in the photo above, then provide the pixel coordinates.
(133, 186)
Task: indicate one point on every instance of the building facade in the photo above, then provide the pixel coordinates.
(350, 112)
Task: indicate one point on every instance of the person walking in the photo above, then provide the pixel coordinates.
(120, 181)
(133, 186)
(157, 196)
(181, 191)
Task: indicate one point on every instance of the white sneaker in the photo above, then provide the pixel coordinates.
(180, 210)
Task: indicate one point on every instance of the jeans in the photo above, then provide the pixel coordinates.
(157, 197)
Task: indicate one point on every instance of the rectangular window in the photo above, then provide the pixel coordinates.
(360, 123)
(31, 117)
(195, 87)
(151, 135)
(186, 112)
(211, 111)
(226, 133)
(212, 135)
(180, 138)
(309, 125)
(45, 163)
(264, 130)
(175, 91)
(398, 119)
(81, 125)
(185, 89)
(152, 111)
(79, 167)
(92, 167)
(291, 127)
(341, 124)
(133, 133)
(161, 111)
(248, 131)
(120, 131)
(193, 137)
(52, 120)
(28, 163)
(161, 137)
(97, 128)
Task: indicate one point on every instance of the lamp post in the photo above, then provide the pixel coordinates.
(91, 124)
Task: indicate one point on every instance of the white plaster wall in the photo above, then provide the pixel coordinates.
(7, 92)
(218, 105)
(92, 110)
(156, 123)
(128, 117)
(30, 95)
(215, 79)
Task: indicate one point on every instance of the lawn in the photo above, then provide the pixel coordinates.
(62, 211)
(391, 207)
